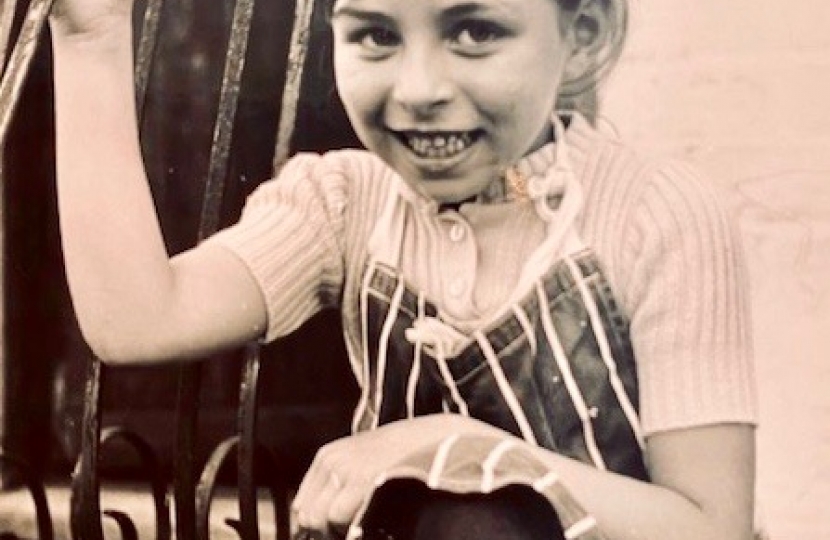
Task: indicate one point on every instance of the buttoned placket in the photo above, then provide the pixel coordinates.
(458, 261)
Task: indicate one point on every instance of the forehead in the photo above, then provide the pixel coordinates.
(435, 5)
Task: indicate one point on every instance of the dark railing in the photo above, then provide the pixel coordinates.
(256, 465)
(193, 485)
(35, 486)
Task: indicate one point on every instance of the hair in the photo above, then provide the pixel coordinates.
(607, 55)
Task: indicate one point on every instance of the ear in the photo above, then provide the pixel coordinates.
(594, 36)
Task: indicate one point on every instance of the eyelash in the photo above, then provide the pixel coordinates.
(470, 37)
(492, 31)
(360, 36)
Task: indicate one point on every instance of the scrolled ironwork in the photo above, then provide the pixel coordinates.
(125, 524)
(85, 502)
(249, 450)
(35, 487)
(207, 486)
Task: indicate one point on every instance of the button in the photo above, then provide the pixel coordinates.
(457, 287)
(457, 232)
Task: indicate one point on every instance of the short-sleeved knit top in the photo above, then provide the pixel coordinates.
(666, 243)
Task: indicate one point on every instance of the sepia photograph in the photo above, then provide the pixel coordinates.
(414, 270)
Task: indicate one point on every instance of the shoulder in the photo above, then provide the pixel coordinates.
(647, 216)
(614, 171)
(335, 181)
(349, 167)
(626, 188)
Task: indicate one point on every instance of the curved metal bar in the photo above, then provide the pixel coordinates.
(19, 61)
(85, 501)
(207, 486)
(148, 458)
(38, 493)
(125, 524)
(297, 53)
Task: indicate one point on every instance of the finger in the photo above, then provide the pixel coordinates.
(312, 484)
(313, 512)
(344, 506)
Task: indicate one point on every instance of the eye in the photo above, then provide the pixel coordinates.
(477, 36)
(374, 39)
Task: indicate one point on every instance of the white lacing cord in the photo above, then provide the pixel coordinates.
(558, 180)
(442, 341)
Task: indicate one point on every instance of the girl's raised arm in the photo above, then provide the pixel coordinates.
(133, 303)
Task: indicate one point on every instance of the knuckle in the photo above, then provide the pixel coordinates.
(317, 521)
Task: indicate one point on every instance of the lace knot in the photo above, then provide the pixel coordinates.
(437, 336)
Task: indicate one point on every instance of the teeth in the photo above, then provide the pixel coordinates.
(438, 146)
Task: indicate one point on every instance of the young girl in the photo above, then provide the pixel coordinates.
(526, 302)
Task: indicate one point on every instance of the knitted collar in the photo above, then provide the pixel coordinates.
(511, 187)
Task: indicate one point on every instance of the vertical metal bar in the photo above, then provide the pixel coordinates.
(146, 49)
(190, 376)
(7, 10)
(295, 65)
(223, 129)
(247, 444)
(19, 61)
(85, 501)
(184, 467)
(297, 53)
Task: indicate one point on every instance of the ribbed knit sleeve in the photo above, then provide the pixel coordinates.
(289, 236)
(303, 235)
(685, 279)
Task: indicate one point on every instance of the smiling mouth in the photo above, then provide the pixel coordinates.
(439, 144)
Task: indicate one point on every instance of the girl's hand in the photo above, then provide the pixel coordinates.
(343, 473)
(90, 18)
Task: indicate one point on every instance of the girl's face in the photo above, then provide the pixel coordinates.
(449, 92)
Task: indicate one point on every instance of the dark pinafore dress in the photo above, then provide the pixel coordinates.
(554, 367)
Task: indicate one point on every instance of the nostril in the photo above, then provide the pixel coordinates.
(422, 90)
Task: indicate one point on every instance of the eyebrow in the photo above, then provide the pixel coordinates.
(455, 11)
(460, 10)
(359, 14)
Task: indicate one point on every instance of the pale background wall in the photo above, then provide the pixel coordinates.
(740, 87)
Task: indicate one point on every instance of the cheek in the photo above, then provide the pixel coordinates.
(525, 81)
(358, 88)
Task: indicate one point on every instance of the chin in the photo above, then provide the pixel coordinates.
(453, 190)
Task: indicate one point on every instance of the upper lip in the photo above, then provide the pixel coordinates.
(405, 135)
(430, 130)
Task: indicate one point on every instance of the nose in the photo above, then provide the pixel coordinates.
(423, 84)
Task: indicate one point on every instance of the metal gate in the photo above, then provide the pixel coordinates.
(254, 55)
